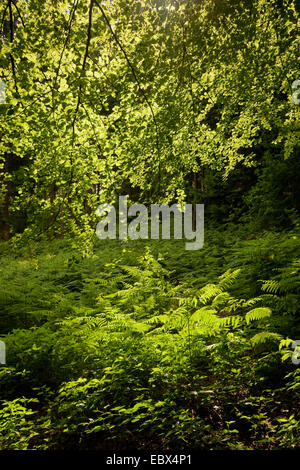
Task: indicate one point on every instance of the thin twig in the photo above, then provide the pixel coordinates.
(13, 66)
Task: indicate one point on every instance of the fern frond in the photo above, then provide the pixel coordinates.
(208, 292)
(233, 320)
(271, 286)
(257, 314)
(264, 337)
(253, 301)
(228, 278)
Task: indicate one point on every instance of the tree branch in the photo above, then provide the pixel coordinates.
(142, 91)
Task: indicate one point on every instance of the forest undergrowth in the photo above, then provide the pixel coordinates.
(145, 345)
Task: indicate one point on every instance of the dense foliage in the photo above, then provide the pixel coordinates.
(141, 344)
